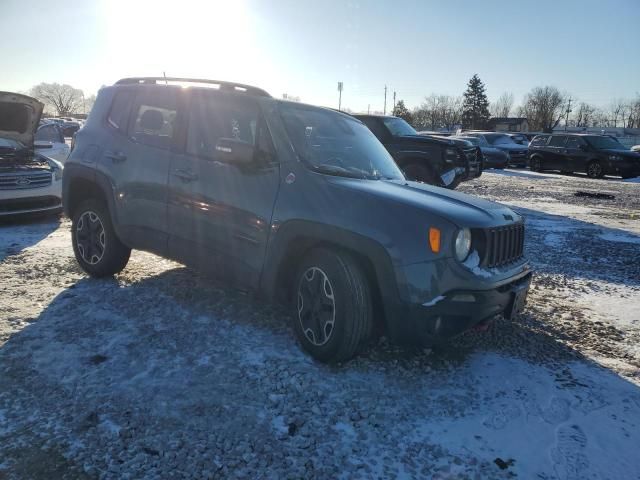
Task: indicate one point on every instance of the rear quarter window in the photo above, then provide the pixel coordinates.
(539, 141)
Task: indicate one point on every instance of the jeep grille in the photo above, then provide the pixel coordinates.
(503, 245)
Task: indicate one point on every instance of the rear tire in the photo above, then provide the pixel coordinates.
(535, 164)
(332, 312)
(96, 246)
(594, 169)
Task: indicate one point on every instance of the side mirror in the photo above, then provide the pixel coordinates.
(232, 150)
(39, 145)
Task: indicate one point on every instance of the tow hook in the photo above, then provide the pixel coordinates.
(483, 326)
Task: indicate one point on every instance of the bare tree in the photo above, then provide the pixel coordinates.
(633, 118)
(543, 108)
(617, 113)
(64, 99)
(438, 111)
(503, 106)
(584, 115)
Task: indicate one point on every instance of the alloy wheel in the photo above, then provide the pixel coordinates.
(316, 306)
(594, 170)
(90, 237)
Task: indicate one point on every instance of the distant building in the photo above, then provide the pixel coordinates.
(508, 124)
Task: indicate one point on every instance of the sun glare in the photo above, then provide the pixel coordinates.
(186, 38)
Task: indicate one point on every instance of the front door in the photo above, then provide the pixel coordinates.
(220, 213)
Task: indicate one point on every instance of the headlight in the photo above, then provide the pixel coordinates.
(56, 167)
(450, 155)
(463, 244)
(615, 157)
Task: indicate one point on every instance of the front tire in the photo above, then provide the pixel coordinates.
(594, 169)
(332, 312)
(96, 246)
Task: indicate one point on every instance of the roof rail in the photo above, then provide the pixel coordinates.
(223, 86)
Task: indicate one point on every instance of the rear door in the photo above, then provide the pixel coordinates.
(554, 158)
(220, 213)
(576, 157)
(136, 158)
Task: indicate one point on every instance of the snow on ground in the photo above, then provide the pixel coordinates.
(160, 373)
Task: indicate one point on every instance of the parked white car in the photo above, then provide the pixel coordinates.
(29, 182)
(50, 142)
(636, 148)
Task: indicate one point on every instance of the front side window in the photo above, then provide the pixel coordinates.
(557, 141)
(154, 120)
(213, 117)
(334, 144)
(605, 143)
(49, 133)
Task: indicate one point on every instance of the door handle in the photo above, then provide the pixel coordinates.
(185, 175)
(116, 157)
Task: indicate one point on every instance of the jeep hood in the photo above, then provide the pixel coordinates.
(19, 117)
(462, 209)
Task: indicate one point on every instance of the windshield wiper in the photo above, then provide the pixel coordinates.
(336, 170)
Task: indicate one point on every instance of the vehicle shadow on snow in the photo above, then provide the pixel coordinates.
(18, 233)
(177, 346)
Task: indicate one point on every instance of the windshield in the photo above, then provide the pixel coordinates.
(499, 139)
(605, 143)
(335, 144)
(399, 127)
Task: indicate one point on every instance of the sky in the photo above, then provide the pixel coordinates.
(303, 48)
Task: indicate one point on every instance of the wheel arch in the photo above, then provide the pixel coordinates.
(295, 239)
(81, 183)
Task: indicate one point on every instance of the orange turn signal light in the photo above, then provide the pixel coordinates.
(434, 239)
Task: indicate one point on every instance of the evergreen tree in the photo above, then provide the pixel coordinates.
(475, 109)
(402, 111)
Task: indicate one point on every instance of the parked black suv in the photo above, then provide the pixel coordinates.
(295, 202)
(595, 155)
(437, 161)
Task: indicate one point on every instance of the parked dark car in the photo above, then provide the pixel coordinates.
(70, 127)
(518, 154)
(595, 155)
(290, 201)
(492, 157)
(427, 159)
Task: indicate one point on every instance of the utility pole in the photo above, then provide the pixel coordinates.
(566, 118)
(340, 96)
(394, 101)
(368, 109)
(384, 112)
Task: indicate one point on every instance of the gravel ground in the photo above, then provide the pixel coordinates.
(159, 373)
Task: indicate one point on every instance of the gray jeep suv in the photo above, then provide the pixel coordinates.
(298, 203)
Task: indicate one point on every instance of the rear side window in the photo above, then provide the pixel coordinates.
(557, 141)
(376, 127)
(154, 118)
(214, 117)
(574, 142)
(120, 108)
(539, 140)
